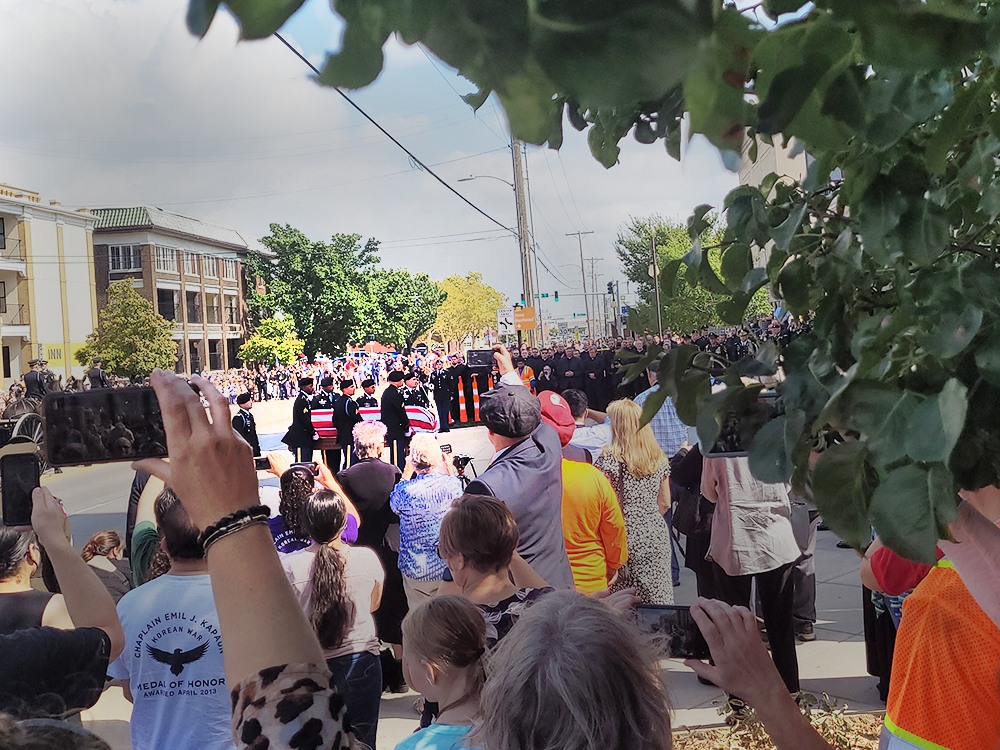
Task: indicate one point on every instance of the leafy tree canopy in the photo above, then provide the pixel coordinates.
(407, 306)
(683, 307)
(131, 337)
(274, 340)
(336, 295)
(321, 285)
(889, 240)
(470, 307)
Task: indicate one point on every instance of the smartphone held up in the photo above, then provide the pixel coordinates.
(20, 474)
(103, 425)
(683, 639)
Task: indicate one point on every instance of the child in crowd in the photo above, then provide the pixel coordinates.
(444, 640)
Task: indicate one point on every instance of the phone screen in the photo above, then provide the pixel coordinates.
(19, 475)
(675, 624)
(480, 358)
(103, 425)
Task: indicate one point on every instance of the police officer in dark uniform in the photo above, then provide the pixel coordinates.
(34, 383)
(97, 377)
(244, 422)
(395, 420)
(444, 383)
(368, 397)
(345, 416)
(301, 434)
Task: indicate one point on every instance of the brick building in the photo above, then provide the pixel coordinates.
(191, 270)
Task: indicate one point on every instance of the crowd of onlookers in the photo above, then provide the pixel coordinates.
(274, 610)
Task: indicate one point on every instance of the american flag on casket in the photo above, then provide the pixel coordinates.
(421, 419)
(322, 422)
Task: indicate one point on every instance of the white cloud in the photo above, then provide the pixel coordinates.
(116, 103)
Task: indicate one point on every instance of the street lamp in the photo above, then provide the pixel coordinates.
(527, 286)
(472, 177)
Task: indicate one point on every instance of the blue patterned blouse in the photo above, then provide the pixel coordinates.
(421, 503)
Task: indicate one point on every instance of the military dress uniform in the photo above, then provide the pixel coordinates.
(34, 383)
(245, 425)
(396, 422)
(443, 381)
(301, 434)
(98, 378)
(345, 416)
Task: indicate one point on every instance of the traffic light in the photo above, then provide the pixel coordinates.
(611, 288)
(556, 295)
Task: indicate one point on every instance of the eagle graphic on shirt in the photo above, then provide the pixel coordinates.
(177, 658)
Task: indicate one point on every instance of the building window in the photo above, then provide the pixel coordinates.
(209, 264)
(6, 361)
(190, 264)
(3, 296)
(232, 314)
(125, 257)
(166, 259)
(3, 246)
(166, 303)
(194, 307)
(229, 269)
(213, 313)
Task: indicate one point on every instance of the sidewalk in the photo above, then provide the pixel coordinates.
(834, 663)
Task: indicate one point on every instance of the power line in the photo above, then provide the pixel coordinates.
(291, 192)
(385, 132)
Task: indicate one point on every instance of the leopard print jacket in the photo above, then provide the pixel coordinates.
(291, 707)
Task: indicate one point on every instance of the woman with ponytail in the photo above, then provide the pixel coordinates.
(339, 587)
(105, 553)
(444, 640)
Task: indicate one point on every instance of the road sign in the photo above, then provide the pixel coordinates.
(524, 319)
(505, 321)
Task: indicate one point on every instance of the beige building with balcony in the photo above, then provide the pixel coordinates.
(48, 294)
(191, 270)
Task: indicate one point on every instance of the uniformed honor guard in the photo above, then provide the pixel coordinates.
(394, 418)
(97, 377)
(244, 422)
(416, 392)
(368, 397)
(345, 416)
(444, 383)
(300, 435)
(34, 383)
(48, 377)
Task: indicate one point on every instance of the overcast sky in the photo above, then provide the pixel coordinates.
(113, 102)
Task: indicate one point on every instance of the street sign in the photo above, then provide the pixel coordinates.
(524, 319)
(505, 321)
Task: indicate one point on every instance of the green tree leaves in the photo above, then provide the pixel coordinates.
(470, 306)
(131, 337)
(273, 341)
(337, 296)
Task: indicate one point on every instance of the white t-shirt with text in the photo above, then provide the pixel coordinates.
(173, 662)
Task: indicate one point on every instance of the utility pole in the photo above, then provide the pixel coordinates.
(527, 285)
(534, 252)
(656, 284)
(619, 318)
(583, 273)
(593, 286)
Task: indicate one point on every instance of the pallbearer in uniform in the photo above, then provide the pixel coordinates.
(368, 397)
(301, 434)
(394, 418)
(345, 416)
(244, 422)
(416, 392)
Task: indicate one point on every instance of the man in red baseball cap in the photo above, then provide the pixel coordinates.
(593, 525)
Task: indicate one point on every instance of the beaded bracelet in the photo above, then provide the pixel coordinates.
(241, 519)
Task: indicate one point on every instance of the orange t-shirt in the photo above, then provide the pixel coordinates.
(944, 690)
(593, 526)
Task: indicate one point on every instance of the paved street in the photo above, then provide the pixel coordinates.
(95, 497)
